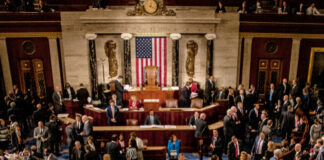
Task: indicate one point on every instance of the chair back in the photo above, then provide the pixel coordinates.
(131, 122)
(171, 103)
(197, 103)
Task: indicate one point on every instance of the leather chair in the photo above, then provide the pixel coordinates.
(171, 103)
(197, 103)
(131, 122)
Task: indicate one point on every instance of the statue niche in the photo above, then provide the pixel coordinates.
(110, 49)
(192, 50)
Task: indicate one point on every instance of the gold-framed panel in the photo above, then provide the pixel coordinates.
(311, 62)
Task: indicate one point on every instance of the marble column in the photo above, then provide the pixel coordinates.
(210, 54)
(246, 61)
(5, 64)
(294, 58)
(55, 61)
(127, 57)
(93, 65)
(175, 58)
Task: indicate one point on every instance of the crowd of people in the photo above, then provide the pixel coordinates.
(26, 6)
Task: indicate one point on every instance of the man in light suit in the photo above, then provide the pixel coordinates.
(87, 128)
(152, 119)
(210, 90)
(320, 155)
(276, 154)
(185, 96)
(41, 135)
(259, 146)
(202, 131)
(112, 113)
(70, 137)
(57, 100)
(119, 90)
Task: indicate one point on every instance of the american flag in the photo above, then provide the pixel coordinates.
(151, 51)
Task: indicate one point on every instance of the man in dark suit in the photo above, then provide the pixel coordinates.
(254, 94)
(55, 135)
(17, 139)
(152, 119)
(284, 88)
(221, 94)
(68, 92)
(112, 148)
(254, 120)
(193, 119)
(295, 89)
(87, 128)
(264, 120)
(112, 113)
(70, 137)
(271, 99)
(210, 90)
(77, 151)
(319, 108)
(78, 128)
(234, 149)
(217, 144)
(82, 95)
(17, 91)
(185, 96)
(229, 126)
(57, 100)
(90, 155)
(119, 90)
(202, 132)
(300, 10)
(39, 114)
(259, 146)
(287, 120)
(285, 9)
(240, 97)
(242, 116)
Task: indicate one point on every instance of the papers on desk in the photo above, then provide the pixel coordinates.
(188, 109)
(170, 126)
(127, 87)
(63, 115)
(97, 109)
(175, 88)
(75, 100)
(151, 100)
(89, 105)
(125, 109)
(165, 88)
(151, 126)
(96, 102)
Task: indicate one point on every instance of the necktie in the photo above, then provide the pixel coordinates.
(113, 112)
(19, 139)
(256, 113)
(258, 147)
(270, 98)
(220, 95)
(236, 150)
(41, 131)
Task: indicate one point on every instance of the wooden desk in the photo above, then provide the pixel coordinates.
(71, 107)
(167, 116)
(155, 152)
(158, 94)
(155, 136)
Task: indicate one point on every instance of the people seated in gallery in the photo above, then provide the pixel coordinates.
(112, 113)
(258, 8)
(220, 7)
(152, 119)
(243, 9)
(312, 10)
(285, 9)
(173, 147)
(133, 103)
(185, 96)
(300, 10)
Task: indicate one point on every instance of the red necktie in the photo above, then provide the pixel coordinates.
(236, 150)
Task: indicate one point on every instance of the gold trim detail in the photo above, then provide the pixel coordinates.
(311, 62)
(152, 34)
(31, 34)
(280, 35)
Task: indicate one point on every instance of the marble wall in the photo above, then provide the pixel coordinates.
(191, 22)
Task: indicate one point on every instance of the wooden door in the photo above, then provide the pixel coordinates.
(269, 71)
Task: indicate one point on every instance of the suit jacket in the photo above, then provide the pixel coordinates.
(56, 99)
(254, 97)
(87, 130)
(109, 114)
(320, 155)
(14, 141)
(295, 91)
(263, 123)
(114, 151)
(281, 90)
(44, 135)
(229, 126)
(221, 95)
(185, 97)
(70, 135)
(209, 87)
(201, 129)
(119, 93)
(155, 119)
(75, 156)
(82, 95)
(91, 155)
(192, 121)
(254, 119)
(54, 131)
(239, 99)
(40, 115)
(302, 10)
(218, 145)
(78, 130)
(274, 97)
(231, 150)
(285, 106)
(66, 93)
(286, 9)
(287, 120)
(255, 145)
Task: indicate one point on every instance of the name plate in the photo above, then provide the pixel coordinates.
(151, 100)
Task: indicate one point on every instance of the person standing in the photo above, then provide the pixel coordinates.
(41, 135)
(87, 128)
(259, 147)
(113, 149)
(140, 145)
(210, 90)
(119, 90)
(233, 149)
(68, 92)
(55, 135)
(82, 95)
(173, 147)
(77, 151)
(202, 132)
(112, 113)
(185, 96)
(217, 144)
(70, 137)
(57, 100)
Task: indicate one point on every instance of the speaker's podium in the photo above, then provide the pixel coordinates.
(151, 74)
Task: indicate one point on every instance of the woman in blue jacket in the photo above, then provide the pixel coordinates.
(173, 147)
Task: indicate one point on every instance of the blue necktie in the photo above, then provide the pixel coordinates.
(270, 98)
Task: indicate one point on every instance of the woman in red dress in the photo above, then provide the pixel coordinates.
(133, 104)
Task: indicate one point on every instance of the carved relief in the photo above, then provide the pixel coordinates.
(110, 49)
(192, 50)
(151, 8)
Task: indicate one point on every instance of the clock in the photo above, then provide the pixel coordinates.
(150, 6)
